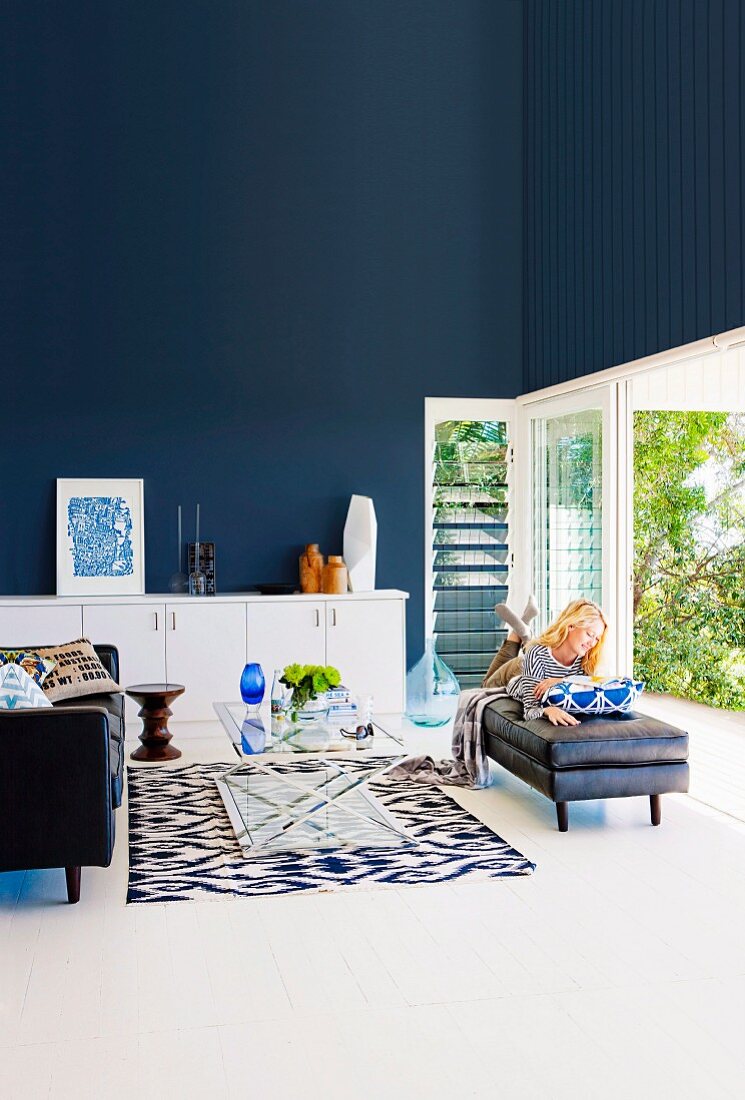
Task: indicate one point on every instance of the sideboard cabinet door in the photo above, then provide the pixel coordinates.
(365, 641)
(206, 652)
(283, 633)
(40, 624)
(139, 633)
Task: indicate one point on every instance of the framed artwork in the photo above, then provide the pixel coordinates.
(100, 537)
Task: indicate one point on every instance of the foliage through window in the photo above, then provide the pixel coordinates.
(689, 555)
(470, 543)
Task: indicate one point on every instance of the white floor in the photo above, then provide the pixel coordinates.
(717, 750)
(617, 970)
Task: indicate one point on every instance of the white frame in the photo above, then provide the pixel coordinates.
(437, 409)
(605, 398)
(133, 491)
(617, 381)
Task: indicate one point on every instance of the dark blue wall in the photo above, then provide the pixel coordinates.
(242, 242)
(634, 185)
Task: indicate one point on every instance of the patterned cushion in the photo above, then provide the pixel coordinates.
(37, 667)
(609, 697)
(18, 691)
(78, 672)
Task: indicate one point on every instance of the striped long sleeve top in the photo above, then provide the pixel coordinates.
(539, 664)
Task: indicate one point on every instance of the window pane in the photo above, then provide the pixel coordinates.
(567, 520)
(470, 546)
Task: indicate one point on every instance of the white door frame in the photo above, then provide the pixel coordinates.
(437, 409)
(533, 407)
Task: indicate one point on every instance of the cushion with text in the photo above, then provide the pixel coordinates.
(78, 672)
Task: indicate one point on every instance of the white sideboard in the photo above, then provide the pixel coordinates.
(204, 643)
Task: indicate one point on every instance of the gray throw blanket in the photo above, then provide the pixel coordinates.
(470, 764)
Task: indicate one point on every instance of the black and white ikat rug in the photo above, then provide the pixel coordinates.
(182, 846)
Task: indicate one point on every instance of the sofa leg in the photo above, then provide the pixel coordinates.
(562, 815)
(655, 803)
(72, 877)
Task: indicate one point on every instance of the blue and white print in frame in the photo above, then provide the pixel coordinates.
(100, 537)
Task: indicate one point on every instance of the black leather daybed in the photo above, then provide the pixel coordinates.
(603, 757)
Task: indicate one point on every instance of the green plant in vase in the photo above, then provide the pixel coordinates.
(307, 683)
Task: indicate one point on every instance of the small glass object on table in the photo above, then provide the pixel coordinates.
(315, 710)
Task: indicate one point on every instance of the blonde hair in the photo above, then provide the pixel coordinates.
(577, 613)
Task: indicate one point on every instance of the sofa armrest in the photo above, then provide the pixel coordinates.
(55, 788)
(108, 655)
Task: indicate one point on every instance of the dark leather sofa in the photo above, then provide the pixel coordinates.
(603, 757)
(61, 776)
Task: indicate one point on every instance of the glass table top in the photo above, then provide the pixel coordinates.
(255, 734)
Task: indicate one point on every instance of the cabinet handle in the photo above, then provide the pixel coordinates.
(318, 617)
(173, 620)
(333, 616)
(156, 619)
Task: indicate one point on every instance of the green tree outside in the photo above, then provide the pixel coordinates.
(689, 555)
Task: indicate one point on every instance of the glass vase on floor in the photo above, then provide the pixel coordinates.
(431, 690)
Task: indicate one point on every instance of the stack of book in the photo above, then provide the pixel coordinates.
(342, 703)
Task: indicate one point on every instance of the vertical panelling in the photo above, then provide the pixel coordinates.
(687, 175)
(638, 169)
(732, 159)
(587, 191)
(652, 213)
(634, 188)
(702, 160)
(661, 78)
(529, 154)
(670, 186)
(626, 212)
(715, 155)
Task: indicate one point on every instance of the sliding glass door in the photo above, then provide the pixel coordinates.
(567, 459)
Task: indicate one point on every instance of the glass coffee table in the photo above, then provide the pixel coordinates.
(320, 799)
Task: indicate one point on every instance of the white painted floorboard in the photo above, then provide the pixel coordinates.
(617, 970)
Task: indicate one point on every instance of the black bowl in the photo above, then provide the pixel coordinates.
(276, 589)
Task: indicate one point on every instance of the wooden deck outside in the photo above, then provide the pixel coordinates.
(717, 749)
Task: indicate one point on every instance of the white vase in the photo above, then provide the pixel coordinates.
(360, 544)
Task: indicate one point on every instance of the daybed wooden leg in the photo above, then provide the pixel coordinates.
(562, 815)
(655, 803)
(72, 876)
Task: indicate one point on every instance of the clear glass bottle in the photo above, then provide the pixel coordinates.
(278, 697)
(197, 579)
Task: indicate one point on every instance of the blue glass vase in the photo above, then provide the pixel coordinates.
(253, 735)
(252, 685)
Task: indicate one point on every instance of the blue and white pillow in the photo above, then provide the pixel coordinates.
(37, 666)
(18, 691)
(609, 697)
